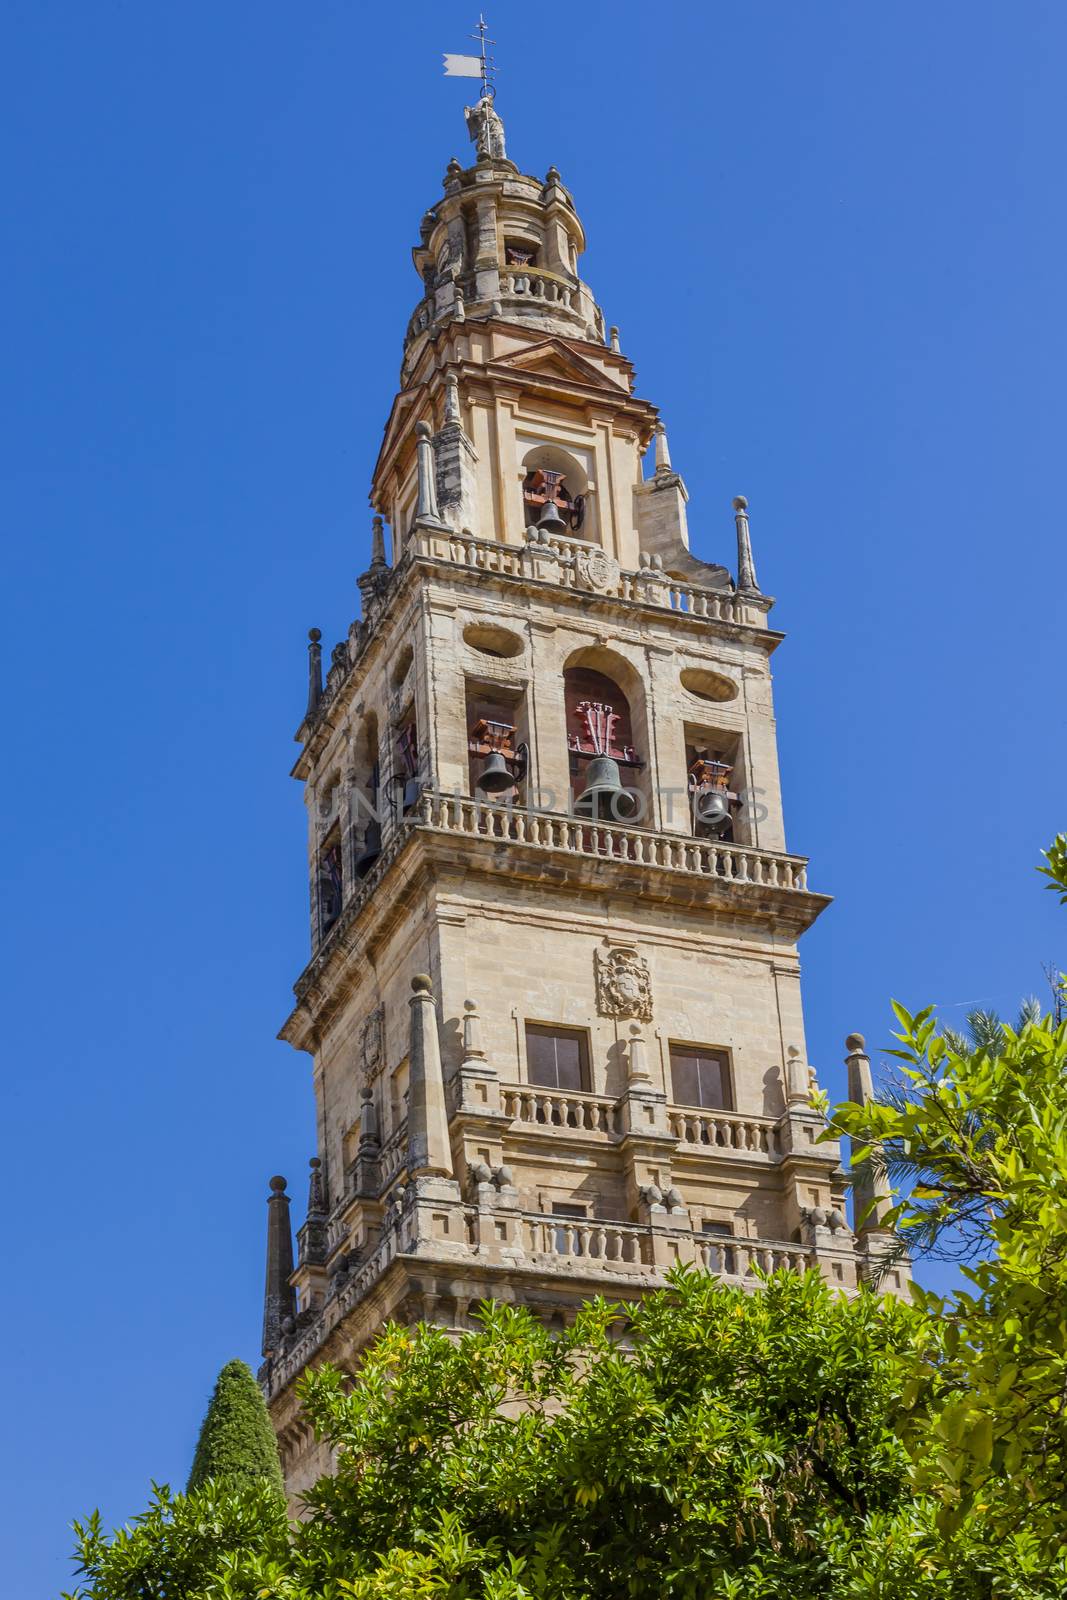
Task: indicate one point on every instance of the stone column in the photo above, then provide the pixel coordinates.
(426, 509)
(429, 1149)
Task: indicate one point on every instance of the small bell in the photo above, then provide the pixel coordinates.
(550, 520)
(604, 798)
(495, 777)
(712, 808)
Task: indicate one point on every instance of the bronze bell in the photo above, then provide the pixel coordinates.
(604, 798)
(550, 520)
(495, 777)
(712, 807)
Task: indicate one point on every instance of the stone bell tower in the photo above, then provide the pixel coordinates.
(553, 1001)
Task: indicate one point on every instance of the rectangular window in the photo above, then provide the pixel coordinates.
(557, 1058)
(722, 1230)
(700, 1077)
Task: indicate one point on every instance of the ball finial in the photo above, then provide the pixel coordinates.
(740, 503)
(278, 1185)
(314, 634)
(856, 1044)
(422, 983)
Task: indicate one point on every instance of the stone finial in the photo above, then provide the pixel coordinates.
(426, 509)
(798, 1076)
(316, 1197)
(278, 1303)
(429, 1148)
(314, 670)
(638, 1064)
(613, 340)
(663, 454)
(871, 1192)
(377, 543)
(473, 1050)
(452, 399)
(746, 569)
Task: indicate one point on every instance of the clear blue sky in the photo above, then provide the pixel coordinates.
(833, 237)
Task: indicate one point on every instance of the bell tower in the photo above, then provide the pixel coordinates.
(553, 1001)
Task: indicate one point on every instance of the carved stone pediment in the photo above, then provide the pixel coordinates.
(623, 984)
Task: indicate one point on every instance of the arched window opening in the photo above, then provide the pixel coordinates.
(329, 881)
(556, 492)
(365, 800)
(604, 759)
(406, 778)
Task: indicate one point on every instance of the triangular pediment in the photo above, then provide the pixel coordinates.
(555, 360)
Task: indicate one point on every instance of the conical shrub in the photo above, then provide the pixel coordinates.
(236, 1440)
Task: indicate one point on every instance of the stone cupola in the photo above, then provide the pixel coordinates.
(500, 243)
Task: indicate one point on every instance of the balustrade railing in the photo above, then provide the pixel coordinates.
(535, 283)
(545, 830)
(743, 1258)
(723, 1130)
(616, 1246)
(551, 1108)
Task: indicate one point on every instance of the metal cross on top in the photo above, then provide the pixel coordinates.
(479, 66)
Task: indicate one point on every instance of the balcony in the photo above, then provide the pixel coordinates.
(598, 1256)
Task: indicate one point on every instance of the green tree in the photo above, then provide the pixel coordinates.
(236, 1442)
(978, 1127)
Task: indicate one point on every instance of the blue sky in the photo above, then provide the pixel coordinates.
(832, 236)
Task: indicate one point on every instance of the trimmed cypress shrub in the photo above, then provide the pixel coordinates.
(236, 1440)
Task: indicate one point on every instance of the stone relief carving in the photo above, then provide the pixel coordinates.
(623, 984)
(371, 1046)
(594, 569)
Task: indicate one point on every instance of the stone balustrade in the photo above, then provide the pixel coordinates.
(743, 1258)
(559, 831)
(613, 1246)
(536, 283)
(551, 1108)
(578, 564)
(724, 1130)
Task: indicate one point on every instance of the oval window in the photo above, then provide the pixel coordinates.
(493, 641)
(708, 685)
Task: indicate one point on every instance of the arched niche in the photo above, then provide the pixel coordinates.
(568, 478)
(606, 714)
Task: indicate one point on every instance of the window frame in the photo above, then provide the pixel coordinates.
(557, 1029)
(725, 1059)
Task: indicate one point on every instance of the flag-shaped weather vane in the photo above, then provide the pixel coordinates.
(483, 124)
(479, 66)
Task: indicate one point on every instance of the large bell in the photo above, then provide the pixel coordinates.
(604, 798)
(372, 849)
(550, 520)
(495, 777)
(712, 808)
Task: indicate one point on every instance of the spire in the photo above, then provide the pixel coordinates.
(429, 1148)
(872, 1196)
(663, 454)
(312, 1236)
(277, 1290)
(746, 570)
(314, 670)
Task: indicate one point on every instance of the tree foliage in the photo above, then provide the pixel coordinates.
(236, 1442)
(981, 1127)
(708, 1442)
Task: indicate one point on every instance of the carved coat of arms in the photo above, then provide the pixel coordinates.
(594, 569)
(623, 985)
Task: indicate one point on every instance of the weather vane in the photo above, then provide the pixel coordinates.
(480, 66)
